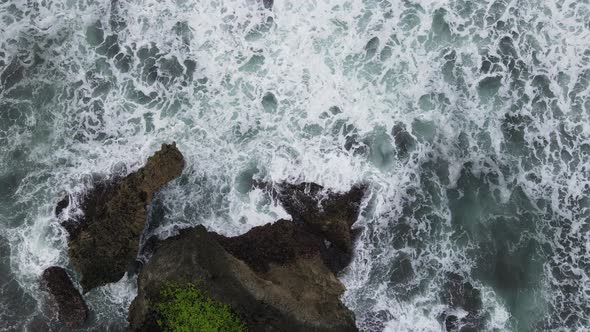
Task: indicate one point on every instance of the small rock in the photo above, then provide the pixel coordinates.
(64, 297)
(62, 205)
(282, 242)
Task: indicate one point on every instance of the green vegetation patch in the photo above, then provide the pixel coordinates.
(185, 308)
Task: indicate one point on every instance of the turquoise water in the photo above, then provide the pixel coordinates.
(468, 119)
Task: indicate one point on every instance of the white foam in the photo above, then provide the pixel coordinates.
(314, 58)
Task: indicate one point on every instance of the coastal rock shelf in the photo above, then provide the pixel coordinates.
(65, 301)
(276, 277)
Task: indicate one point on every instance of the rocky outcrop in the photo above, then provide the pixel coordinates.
(267, 276)
(64, 299)
(280, 243)
(62, 205)
(276, 277)
(327, 213)
(105, 240)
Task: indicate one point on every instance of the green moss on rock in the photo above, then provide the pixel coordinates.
(186, 308)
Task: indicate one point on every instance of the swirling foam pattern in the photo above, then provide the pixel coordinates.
(468, 119)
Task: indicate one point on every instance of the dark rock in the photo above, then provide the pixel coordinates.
(336, 259)
(282, 242)
(284, 286)
(105, 240)
(39, 323)
(65, 299)
(457, 293)
(62, 205)
(452, 323)
(329, 214)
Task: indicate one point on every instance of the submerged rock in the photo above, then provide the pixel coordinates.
(282, 243)
(327, 213)
(460, 294)
(273, 277)
(65, 300)
(105, 240)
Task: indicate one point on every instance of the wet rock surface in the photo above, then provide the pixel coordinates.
(274, 289)
(62, 205)
(276, 277)
(64, 299)
(105, 240)
(327, 213)
(281, 243)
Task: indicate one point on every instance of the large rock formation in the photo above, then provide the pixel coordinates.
(64, 301)
(105, 240)
(269, 291)
(276, 277)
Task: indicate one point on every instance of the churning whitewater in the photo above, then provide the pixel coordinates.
(468, 120)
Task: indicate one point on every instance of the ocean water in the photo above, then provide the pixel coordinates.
(469, 120)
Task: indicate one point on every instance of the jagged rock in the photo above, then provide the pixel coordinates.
(65, 300)
(329, 214)
(273, 277)
(105, 240)
(282, 243)
(325, 213)
(62, 205)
